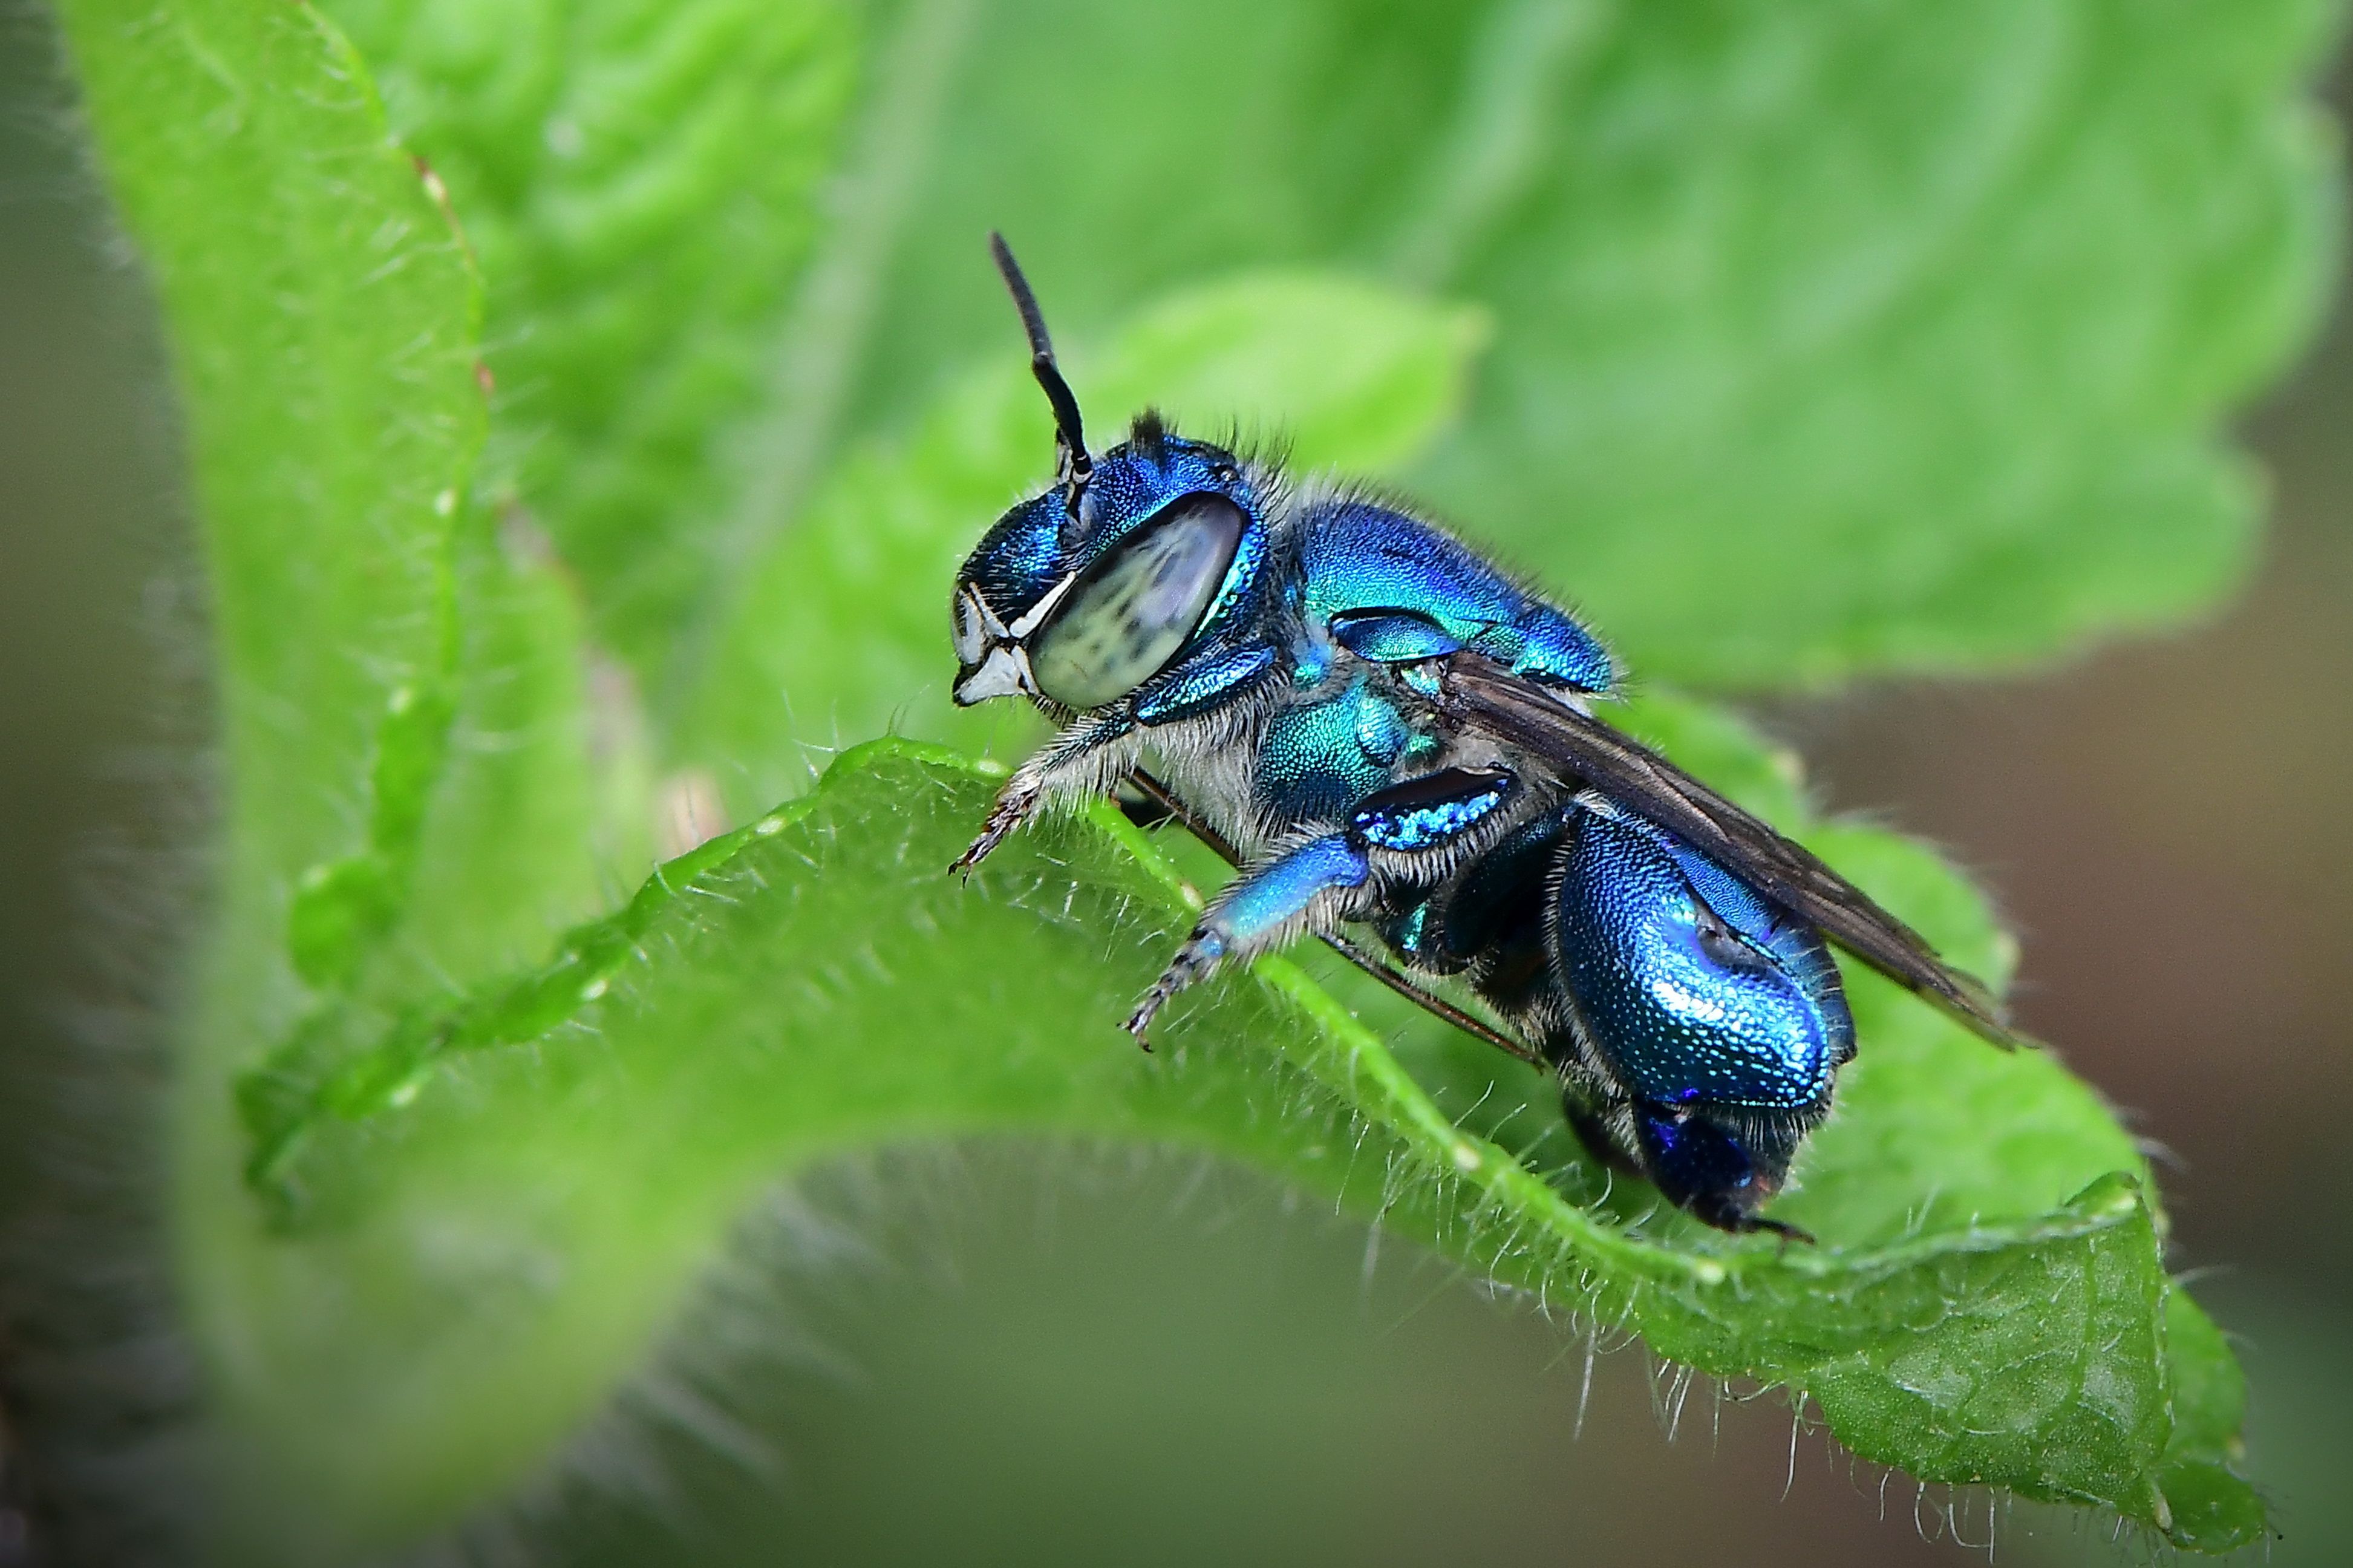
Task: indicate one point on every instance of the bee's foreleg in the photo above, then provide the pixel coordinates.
(1082, 760)
(1309, 885)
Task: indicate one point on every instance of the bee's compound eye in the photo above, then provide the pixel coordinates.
(971, 638)
(1131, 611)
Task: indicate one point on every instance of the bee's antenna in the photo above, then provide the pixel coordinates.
(1069, 435)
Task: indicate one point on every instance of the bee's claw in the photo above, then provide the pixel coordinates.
(1140, 1022)
(1006, 815)
(1788, 1233)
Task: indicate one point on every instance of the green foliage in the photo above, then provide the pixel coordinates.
(1828, 337)
(1795, 341)
(1913, 329)
(295, 250)
(637, 178)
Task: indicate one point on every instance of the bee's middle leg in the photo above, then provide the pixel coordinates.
(1259, 911)
(1317, 885)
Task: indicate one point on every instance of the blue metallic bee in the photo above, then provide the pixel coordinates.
(1381, 728)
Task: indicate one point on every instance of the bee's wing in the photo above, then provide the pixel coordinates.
(1477, 693)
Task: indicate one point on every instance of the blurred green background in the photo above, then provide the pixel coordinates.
(1045, 1354)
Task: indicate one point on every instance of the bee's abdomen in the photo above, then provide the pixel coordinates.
(1699, 1027)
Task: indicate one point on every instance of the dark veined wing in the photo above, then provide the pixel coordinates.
(1477, 693)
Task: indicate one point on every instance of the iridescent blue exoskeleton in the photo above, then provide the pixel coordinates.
(1382, 728)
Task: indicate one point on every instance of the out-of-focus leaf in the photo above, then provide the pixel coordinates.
(1830, 338)
(640, 180)
(838, 631)
(542, 818)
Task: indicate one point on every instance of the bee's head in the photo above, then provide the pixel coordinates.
(1082, 593)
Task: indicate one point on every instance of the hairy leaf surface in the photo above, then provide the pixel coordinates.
(812, 985)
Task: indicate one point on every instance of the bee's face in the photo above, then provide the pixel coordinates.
(1083, 609)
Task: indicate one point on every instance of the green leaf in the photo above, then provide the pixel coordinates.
(400, 700)
(323, 318)
(1921, 342)
(2212, 1508)
(762, 992)
(638, 178)
(541, 818)
(536, 813)
(836, 632)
